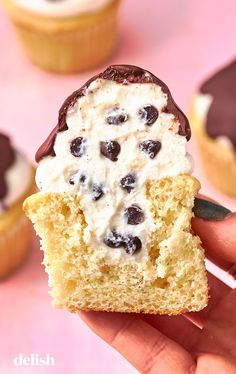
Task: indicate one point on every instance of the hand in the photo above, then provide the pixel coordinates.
(201, 343)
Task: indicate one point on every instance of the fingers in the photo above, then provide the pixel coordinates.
(145, 347)
(219, 333)
(212, 363)
(177, 328)
(225, 311)
(232, 271)
(218, 238)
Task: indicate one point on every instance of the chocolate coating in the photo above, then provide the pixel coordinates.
(7, 158)
(221, 117)
(122, 74)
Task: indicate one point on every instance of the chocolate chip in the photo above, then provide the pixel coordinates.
(114, 239)
(132, 244)
(134, 215)
(72, 180)
(110, 149)
(149, 114)
(116, 116)
(97, 192)
(75, 178)
(151, 147)
(78, 146)
(82, 178)
(128, 182)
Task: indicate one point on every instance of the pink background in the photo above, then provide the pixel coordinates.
(179, 41)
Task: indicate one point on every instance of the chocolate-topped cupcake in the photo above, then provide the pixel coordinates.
(213, 116)
(66, 36)
(16, 182)
(116, 196)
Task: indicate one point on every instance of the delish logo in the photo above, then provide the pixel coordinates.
(34, 359)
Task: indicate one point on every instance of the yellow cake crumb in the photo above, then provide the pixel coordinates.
(170, 280)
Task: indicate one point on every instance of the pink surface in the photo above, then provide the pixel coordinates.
(181, 44)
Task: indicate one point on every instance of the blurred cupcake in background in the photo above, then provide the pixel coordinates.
(66, 36)
(213, 118)
(16, 182)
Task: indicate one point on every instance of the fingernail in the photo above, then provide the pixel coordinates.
(210, 211)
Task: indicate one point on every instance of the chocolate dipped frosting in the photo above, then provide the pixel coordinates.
(7, 158)
(121, 130)
(221, 116)
(121, 74)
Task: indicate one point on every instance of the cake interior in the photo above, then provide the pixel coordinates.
(171, 279)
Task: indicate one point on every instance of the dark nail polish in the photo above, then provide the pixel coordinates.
(210, 211)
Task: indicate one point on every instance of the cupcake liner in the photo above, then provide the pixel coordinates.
(14, 245)
(15, 234)
(221, 169)
(69, 44)
(218, 162)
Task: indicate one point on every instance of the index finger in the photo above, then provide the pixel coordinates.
(142, 345)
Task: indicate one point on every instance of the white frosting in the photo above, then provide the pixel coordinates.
(17, 178)
(202, 103)
(61, 8)
(87, 119)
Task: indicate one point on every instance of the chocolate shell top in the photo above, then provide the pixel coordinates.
(221, 117)
(7, 158)
(122, 74)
